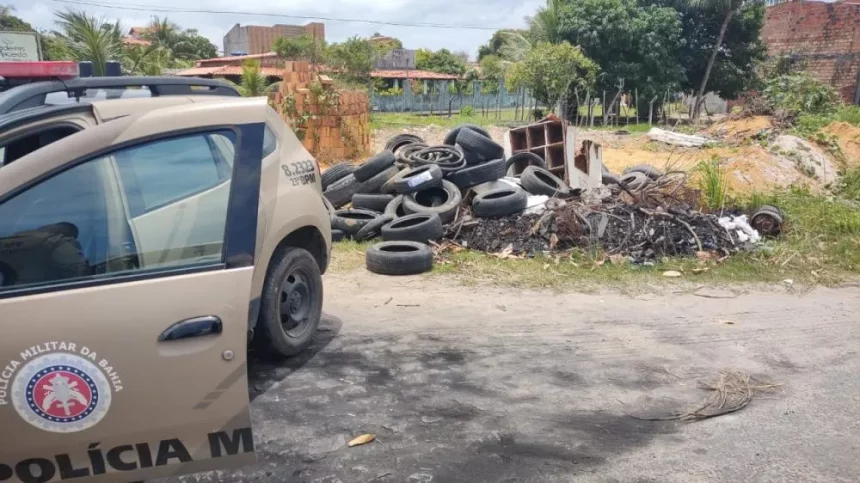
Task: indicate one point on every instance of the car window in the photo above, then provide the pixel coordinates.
(193, 162)
(79, 224)
(270, 142)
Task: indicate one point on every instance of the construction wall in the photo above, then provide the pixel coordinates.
(337, 131)
(826, 36)
(256, 39)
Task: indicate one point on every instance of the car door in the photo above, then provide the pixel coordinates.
(119, 364)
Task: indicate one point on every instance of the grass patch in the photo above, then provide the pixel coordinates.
(398, 119)
(821, 245)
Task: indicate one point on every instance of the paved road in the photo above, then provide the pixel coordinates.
(464, 384)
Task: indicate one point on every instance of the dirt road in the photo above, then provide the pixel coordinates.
(490, 385)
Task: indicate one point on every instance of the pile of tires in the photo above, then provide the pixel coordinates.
(409, 192)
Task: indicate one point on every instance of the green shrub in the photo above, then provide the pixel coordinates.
(713, 183)
(795, 94)
(848, 186)
(467, 111)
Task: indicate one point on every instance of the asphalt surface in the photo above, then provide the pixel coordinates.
(466, 384)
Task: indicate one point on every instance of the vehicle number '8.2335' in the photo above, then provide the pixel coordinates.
(300, 172)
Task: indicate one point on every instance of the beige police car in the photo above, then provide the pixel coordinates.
(144, 242)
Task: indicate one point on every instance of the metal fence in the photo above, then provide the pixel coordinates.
(441, 96)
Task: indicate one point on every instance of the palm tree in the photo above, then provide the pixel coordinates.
(145, 59)
(170, 36)
(90, 39)
(729, 7)
(253, 82)
(545, 23)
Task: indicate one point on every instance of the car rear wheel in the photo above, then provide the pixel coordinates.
(291, 304)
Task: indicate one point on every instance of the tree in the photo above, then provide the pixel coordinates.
(385, 44)
(727, 8)
(552, 70)
(636, 46)
(303, 47)
(742, 50)
(545, 25)
(9, 22)
(253, 83)
(501, 42)
(90, 39)
(353, 58)
(146, 59)
(182, 44)
(442, 61)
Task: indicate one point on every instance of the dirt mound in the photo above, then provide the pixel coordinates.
(738, 130)
(848, 138)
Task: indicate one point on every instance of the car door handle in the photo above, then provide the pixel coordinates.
(193, 327)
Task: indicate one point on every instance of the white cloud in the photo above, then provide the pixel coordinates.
(488, 13)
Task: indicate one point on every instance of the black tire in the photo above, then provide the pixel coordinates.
(374, 184)
(635, 181)
(401, 140)
(374, 228)
(646, 169)
(335, 173)
(395, 208)
(374, 166)
(404, 154)
(518, 162)
(399, 258)
(500, 202)
(293, 272)
(340, 193)
(448, 159)
(451, 137)
(444, 201)
(417, 179)
(371, 201)
(539, 181)
(422, 227)
(475, 175)
(479, 144)
(609, 179)
(338, 235)
(350, 221)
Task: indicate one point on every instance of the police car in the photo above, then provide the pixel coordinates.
(150, 229)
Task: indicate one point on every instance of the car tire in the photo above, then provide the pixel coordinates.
(336, 173)
(373, 228)
(295, 273)
(374, 184)
(479, 144)
(340, 193)
(518, 162)
(500, 202)
(539, 181)
(399, 258)
(401, 140)
(421, 227)
(635, 181)
(451, 137)
(395, 208)
(609, 179)
(475, 175)
(374, 166)
(646, 169)
(350, 221)
(418, 178)
(338, 235)
(444, 201)
(371, 201)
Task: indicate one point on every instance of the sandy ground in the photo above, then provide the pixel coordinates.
(500, 385)
(750, 166)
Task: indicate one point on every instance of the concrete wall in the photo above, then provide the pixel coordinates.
(826, 36)
(254, 39)
(396, 59)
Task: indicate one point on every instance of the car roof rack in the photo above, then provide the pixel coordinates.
(34, 94)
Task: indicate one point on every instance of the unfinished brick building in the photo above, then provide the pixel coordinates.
(825, 36)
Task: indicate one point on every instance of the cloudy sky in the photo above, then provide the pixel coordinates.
(489, 14)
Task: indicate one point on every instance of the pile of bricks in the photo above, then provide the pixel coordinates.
(330, 132)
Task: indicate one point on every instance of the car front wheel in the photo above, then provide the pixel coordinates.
(291, 304)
